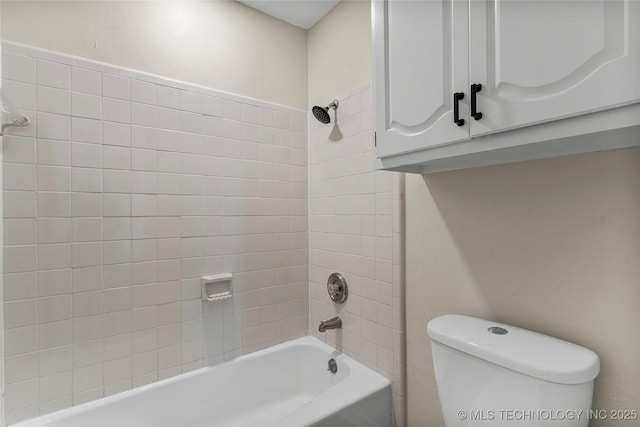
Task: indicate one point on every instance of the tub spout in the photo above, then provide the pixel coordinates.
(333, 323)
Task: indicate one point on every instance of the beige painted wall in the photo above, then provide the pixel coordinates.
(226, 45)
(550, 245)
(339, 51)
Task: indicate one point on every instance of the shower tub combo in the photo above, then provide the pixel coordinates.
(288, 385)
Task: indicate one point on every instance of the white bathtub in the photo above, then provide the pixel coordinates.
(285, 385)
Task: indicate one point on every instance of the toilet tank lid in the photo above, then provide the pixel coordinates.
(521, 350)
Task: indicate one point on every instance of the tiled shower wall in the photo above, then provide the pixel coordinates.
(355, 228)
(123, 191)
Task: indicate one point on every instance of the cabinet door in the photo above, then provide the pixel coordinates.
(420, 59)
(544, 60)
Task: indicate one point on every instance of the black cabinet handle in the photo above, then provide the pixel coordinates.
(475, 88)
(457, 96)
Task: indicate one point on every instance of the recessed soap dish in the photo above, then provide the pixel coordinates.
(217, 287)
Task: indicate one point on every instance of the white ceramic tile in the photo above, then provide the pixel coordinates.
(53, 178)
(168, 227)
(250, 132)
(116, 134)
(20, 340)
(86, 180)
(22, 95)
(144, 250)
(126, 294)
(86, 204)
(168, 118)
(231, 110)
(19, 286)
(168, 140)
(250, 113)
(192, 164)
(86, 81)
(114, 157)
(87, 353)
(116, 205)
(144, 340)
(51, 100)
(116, 323)
(117, 275)
(88, 328)
(143, 114)
(53, 204)
(53, 387)
(116, 228)
(169, 183)
(54, 230)
(143, 182)
(144, 363)
(116, 181)
(168, 162)
(142, 91)
(282, 120)
(54, 334)
(144, 227)
(17, 149)
(116, 299)
(168, 96)
(86, 254)
(190, 101)
(231, 129)
(170, 270)
(212, 126)
(86, 155)
(169, 356)
(85, 105)
(18, 67)
(143, 160)
(116, 87)
(53, 126)
(87, 229)
(51, 309)
(117, 347)
(145, 318)
(19, 177)
(143, 205)
(21, 368)
(116, 252)
(116, 371)
(116, 110)
(86, 130)
(19, 313)
(52, 74)
(211, 106)
(143, 137)
(87, 378)
(21, 395)
(191, 122)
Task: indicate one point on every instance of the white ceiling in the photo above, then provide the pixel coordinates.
(301, 13)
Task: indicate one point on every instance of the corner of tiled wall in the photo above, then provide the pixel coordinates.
(356, 228)
(125, 189)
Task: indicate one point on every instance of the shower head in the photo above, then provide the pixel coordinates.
(322, 113)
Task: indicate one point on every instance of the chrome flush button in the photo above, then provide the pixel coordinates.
(498, 330)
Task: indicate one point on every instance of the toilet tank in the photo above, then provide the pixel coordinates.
(492, 374)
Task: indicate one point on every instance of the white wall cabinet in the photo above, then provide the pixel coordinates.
(570, 63)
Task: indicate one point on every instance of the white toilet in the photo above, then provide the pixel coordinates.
(492, 374)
